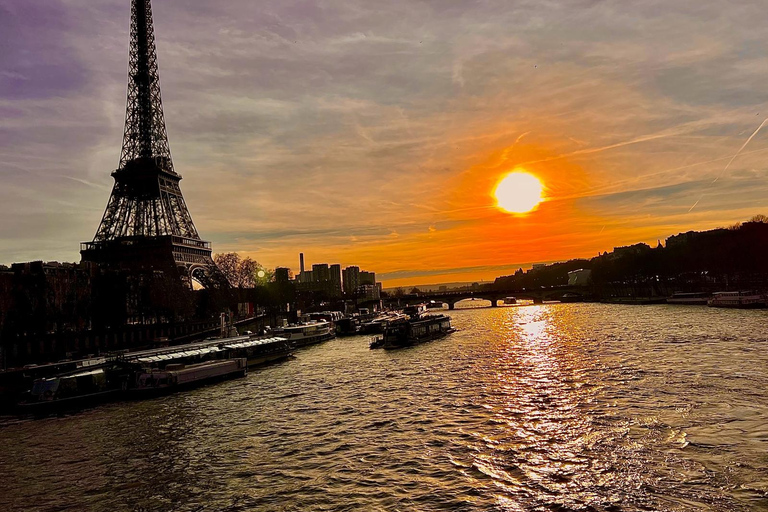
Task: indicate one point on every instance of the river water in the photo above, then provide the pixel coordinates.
(556, 407)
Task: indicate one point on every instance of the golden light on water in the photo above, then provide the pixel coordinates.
(518, 192)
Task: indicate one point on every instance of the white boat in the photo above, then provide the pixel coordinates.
(177, 376)
(377, 325)
(740, 300)
(307, 333)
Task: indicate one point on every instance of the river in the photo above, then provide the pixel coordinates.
(552, 407)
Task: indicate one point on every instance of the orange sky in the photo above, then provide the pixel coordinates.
(374, 134)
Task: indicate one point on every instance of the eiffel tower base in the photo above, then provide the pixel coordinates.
(181, 258)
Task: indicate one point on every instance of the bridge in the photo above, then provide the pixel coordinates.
(538, 296)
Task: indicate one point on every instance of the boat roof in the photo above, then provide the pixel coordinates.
(305, 324)
(239, 342)
(255, 343)
(74, 375)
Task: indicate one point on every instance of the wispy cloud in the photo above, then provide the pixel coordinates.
(326, 127)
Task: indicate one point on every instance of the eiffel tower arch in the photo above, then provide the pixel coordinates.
(146, 224)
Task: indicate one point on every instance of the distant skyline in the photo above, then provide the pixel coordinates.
(373, 134)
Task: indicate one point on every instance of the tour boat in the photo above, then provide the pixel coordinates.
(378, 324)
(416, 328)
(741, 300)
(178, 376)
(306, 333)
(347, 326)
(689, 298)
(72, 391)
(259, 350)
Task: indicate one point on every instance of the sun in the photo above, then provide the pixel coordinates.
(518, 192)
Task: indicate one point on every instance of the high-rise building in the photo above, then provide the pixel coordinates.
(367, 278)
(321, 272)
(282, 275)
(351, 280)
(305, 276)
(335, 280)
(369, 292)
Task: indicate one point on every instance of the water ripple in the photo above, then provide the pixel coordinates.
(543, 408)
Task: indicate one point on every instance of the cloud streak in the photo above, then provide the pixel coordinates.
(325, 127)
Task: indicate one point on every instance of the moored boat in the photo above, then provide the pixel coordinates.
(259, 350)
(347, 326)
(689, 298)
(307, 333)
(378, 324)
(416, 328)
(70, 391)
(739, 300)
(175, 377)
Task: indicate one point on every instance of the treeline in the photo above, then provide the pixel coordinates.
(719, 259)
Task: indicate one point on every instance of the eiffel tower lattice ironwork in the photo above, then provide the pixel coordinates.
(146, 221)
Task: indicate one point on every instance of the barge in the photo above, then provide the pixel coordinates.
(175, 377)
(414, 329)
(739, 300)
(307, 333)
(76, 390)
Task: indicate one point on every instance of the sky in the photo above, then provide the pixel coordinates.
(373, 133)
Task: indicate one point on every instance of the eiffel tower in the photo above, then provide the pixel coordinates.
(146, 223)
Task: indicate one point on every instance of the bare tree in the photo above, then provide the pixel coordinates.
(243, 272)
(228, 263)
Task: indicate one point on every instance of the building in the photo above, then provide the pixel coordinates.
(321, 273)
(335, 280)
(282, 275)
(369, 292)
(323, 278)
(351, 280)
(367, 278)
(306, 277)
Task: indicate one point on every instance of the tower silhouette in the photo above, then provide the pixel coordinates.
(146, 223)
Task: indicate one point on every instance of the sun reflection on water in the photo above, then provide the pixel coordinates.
(540, 450)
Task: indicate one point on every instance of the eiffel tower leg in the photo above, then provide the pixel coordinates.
(208, 275)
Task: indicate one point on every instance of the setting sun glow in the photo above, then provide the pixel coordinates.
(518, 192)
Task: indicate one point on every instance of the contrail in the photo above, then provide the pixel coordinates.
(694, 204)
(739, 151)
(521, 137)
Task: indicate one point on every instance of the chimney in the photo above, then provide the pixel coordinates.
(301, 261)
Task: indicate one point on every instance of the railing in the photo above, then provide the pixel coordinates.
(176, 240)
(191, 242)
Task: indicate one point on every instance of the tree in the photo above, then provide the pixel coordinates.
(242, 273)
(228, 263)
